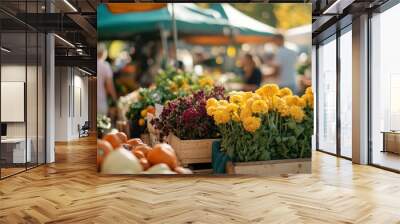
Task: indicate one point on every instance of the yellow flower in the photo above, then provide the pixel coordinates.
(268, 90)
(185, 86)
(283, 110)
(235, 99)
(212, 102)
(278, 104)
(308, 97)
(301, 102)
(285, 92)
(310, 101)
(309, 91)
(251, 124)
(143, 113)
(235, 116)
(221, 117)
(232, 107)
(173, 87)
(246, 95)
(292, 100)
(244, 113)
(259, 106)
(141, 122)
(256, 97)
(223, 102)
(211, 110)
(296, 113)
(249, 103)
(206, 81)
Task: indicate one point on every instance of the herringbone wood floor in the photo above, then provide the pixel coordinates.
(70, 191)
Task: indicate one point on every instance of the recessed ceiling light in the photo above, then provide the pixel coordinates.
(84, 71)
(5, 50)
(70, 5)
(64, 40)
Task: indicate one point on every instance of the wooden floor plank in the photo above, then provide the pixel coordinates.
(70, 191)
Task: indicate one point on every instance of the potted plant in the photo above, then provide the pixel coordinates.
(103, 125)
(137, 112)
(189, 128)
(270, 125)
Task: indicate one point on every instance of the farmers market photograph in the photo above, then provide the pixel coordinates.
(204, 88)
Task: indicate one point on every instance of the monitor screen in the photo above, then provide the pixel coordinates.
(3, 129)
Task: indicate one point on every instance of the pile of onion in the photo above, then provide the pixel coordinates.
(119, 155)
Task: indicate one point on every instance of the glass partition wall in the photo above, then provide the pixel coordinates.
(22, 77)
(345, 61)
(334, 94)
(327, 95)
(385, 89)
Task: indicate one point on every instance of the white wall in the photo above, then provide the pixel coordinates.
(71, 94)
(34, 125)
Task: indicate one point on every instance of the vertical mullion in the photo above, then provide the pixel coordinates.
(369, 89)
(0, 93)
(45, 87)
(338, 98)
(317, 97)
(37, 89)
(26, 85)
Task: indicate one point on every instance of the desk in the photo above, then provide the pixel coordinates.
(13, 150)
(391, 141)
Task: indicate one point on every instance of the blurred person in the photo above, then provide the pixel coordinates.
(105, 85)
(285, 65)
(251, 73)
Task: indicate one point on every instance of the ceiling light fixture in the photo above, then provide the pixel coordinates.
(337, 7)
(5, 50)
(70, 5)
(64, 40)
(84, 71)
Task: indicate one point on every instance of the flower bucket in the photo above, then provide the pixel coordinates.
(219, 158)
(191, 151)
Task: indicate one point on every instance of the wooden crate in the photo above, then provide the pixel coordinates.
(191, 151)
(271, 167)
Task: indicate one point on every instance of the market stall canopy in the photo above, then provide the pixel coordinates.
(124, 8)
(244, 29)
(190, 20)
(299, 35)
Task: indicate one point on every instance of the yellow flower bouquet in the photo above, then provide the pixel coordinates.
(268, 124)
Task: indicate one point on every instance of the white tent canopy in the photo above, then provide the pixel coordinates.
(299, 35)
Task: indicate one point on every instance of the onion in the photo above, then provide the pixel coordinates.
(160, 168)
(121, 161)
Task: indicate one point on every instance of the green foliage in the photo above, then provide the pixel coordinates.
(103, 125)
(277, 138)
(172, 83)
(147, 97)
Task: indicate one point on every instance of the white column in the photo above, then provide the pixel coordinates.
(360, 90)
(314, 88)
(50, 100)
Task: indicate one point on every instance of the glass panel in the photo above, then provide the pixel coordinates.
(385, 86)
(327, 96)
(346, 94)
(314, 79)
(13, 86)
(31, 100)
(41, 99)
